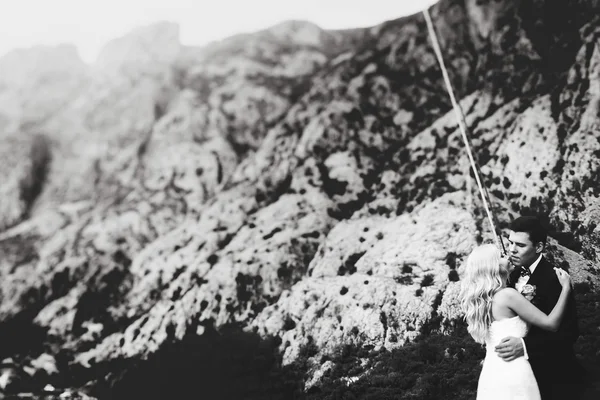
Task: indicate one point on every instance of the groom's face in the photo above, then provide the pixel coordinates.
(522, 251)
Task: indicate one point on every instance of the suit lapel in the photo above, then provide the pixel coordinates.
(538, 273)
(513, 277)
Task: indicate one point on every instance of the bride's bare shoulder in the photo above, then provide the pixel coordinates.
(505, 294)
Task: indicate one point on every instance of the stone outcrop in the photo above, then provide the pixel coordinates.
(306, 185)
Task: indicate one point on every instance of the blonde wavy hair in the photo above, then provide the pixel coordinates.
(483, 278)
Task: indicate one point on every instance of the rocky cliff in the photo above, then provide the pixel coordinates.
(308, 187)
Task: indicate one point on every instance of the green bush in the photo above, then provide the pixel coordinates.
(233, 364)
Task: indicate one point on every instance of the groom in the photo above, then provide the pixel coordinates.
(550, 354)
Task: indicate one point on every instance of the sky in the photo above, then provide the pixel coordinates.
(90, 24)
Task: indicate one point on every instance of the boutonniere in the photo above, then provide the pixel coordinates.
(528, 291)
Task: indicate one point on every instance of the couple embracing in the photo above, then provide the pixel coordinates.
(523, 310)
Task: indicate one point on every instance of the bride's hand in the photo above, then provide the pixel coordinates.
(563, 277)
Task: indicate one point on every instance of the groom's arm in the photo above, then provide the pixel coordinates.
(568, 331)
(547, 342)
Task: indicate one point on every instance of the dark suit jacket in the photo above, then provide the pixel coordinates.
(551, 354)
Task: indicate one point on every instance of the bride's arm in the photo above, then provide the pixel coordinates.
(530, 313)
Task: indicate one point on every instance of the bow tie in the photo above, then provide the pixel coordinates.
(524, 271)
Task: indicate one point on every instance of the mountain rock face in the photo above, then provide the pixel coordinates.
(305, 185)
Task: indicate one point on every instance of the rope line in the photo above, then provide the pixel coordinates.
(462, 126)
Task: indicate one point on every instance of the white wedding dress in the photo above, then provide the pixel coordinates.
(506, 380)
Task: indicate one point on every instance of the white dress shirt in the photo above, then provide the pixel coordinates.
(524, 279)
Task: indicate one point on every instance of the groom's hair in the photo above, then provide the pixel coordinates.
(533, 226)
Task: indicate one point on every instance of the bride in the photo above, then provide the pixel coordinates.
(494, 311)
